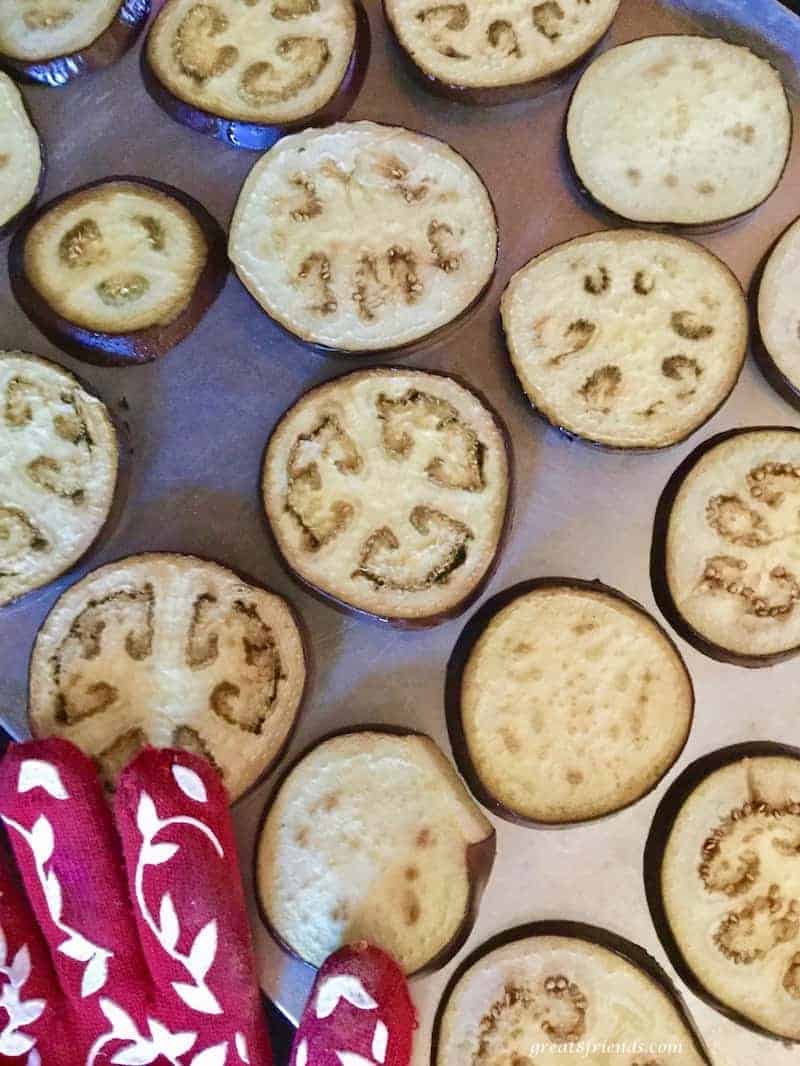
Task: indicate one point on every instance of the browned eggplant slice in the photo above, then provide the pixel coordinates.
(387, 491)
(680, 130)
(557, 990)
(177, 652)
(59, 460)
(249, 73)
(625, 338)
(487, 52)
(372, 836)
(21, 159)
(565, 702)
(364, 238)
(118, 271)
(725, 544)
(777, 341)
(723, 887)
(51, 42)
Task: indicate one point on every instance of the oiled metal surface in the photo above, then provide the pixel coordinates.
(199, 420)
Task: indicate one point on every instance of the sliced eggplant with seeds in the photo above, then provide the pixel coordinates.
(679, 130)
(249, 73)
(558, 989)
(629, 339)
(777, 346)
(553, 680)
(490, 51)
(51, 42)
(170, 650)
(118, 271)
(59, 459)
(721, 872)
(725, 544)
(21, 157)
(375, 239)
(371, 836)
(413, 556)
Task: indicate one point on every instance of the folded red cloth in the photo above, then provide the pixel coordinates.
(127, 941)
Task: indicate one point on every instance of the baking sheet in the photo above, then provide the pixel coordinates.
(199, 419)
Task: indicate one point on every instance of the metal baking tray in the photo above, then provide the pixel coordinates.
(199, 418)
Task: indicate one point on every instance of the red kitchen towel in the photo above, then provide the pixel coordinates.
(127, 942)
(134, 948)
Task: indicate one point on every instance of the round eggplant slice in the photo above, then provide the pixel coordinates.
(173, 651)
(248, 73)
(414, 555)
(726, 543)
(558, 990)
(53, 42)
(119, 271)
(626, 338)
(723, 883)
(565, 702)
(481, 52)
(679, 130)
(21, 162)
(363, 238)
(778, 319)
(58, 470)
(371, 836)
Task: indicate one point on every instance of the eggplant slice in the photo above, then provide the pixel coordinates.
(119, 271)
(173, 651)
(59, 459)
(388, 491)
(247, 73)
(726, 543)
(626, 338)
(565, 702)
(371, 836)
(723, 883)
(490, 52)
(679, 130)
(21, 160)
(53, 41)
(777, 316)
(554, 991)
(363, 238)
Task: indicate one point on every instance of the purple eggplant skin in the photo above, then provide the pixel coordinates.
(480, 857)
(255, 136)
(658, 560)
(613, 219)
(430, 621)
(664, 819)
(592, 934)
(457, 663)
(489, 96)
(110, 46)
(784, 386)
(305, 640)
(139, 346)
